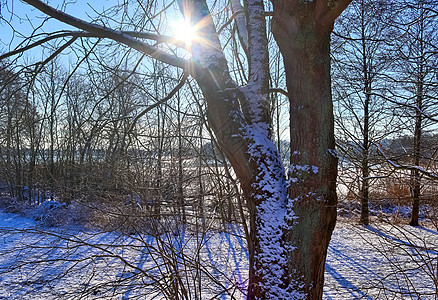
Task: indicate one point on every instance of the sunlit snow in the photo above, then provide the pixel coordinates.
(376, 262)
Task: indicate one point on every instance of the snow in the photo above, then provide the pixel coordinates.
(381, 261)
(237, 9)
(333, 152)
(395, 165)
(303, 168)
(271, 183)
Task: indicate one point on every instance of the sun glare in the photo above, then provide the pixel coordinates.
(185, 32)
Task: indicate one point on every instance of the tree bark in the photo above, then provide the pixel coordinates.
(302, 31)
(415, 174)
(364, 194)
(366, 69)
(290, 231)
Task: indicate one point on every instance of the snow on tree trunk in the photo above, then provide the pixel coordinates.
(240, 118)
(290, 231)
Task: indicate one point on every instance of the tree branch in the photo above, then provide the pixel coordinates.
(42, 41)
(328, 10)
(142, 35)
(240, 21)
(404, 167)
(278, 90)
(165, 99)
(104, 32)
(411, 106)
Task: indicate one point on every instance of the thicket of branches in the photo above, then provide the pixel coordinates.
(99, 128)
(124, 141)
(385, 87)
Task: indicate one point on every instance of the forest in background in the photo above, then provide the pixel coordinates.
(122, 141)
(101, 131)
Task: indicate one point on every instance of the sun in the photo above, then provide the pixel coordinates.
(185, 32)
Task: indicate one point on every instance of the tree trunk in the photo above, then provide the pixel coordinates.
(290, 232)
(415, 174)
(303, 35)
(364, 194)
(366, 69)
(180, 178)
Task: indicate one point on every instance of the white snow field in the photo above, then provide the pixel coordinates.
(375, 262)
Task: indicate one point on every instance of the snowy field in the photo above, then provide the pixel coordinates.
(376, 262)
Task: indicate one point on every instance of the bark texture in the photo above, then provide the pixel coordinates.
(290, 232)
(415, 174)
(302, 30)
(240, 118)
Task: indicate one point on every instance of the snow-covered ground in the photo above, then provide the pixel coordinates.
(382, 261)
(376, 262)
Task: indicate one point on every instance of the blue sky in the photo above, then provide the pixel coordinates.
(20, 19)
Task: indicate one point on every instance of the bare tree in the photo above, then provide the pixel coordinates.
(417, 63)
(360, 66)
(290, 226)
